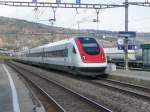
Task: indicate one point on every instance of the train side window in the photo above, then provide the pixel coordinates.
(66, 53)
(74, 50)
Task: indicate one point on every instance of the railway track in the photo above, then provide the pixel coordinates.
(69, 100)
(49, 103)
(126, 88)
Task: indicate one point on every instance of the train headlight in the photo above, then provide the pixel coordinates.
(84, 58)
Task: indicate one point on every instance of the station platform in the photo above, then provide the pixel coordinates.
(132, 76)
(144, 75)
(14, 95)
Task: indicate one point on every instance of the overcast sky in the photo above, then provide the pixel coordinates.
(110, 19)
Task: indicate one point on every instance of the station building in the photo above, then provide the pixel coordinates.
(146, 55)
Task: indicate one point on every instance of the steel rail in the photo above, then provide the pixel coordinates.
(134, 68)
(91, 102)
(59, 107)
(125, 91)
(128, 84)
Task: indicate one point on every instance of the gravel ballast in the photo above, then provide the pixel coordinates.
(119, 102)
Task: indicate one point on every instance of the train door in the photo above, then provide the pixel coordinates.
(73, 56)
(68, 55)
(42, 55)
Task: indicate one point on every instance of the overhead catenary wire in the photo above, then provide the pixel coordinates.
(38, 15)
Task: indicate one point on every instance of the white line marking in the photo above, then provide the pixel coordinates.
(16, 107)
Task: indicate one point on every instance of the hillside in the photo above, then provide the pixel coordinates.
(19, 33)
(15, 33)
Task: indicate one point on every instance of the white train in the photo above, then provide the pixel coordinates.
(118, 55)
(77, 55)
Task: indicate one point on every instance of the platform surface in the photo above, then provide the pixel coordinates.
(8, 100)
(144, 75)
(5, 92)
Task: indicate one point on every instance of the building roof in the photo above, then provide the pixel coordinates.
(145, 46)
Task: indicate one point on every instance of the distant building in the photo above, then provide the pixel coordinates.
(146, 55)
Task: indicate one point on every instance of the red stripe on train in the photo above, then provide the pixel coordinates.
(86, 58)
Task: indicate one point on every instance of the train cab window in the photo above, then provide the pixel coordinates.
(90, 45)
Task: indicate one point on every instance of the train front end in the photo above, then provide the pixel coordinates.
(91, 57)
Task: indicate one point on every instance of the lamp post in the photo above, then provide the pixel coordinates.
(126, 38)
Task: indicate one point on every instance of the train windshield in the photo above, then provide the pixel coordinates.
(89, 45)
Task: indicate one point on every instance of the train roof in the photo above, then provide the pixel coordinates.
(56, 43)
(116, 50)
(61, 42)
(65, 41)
